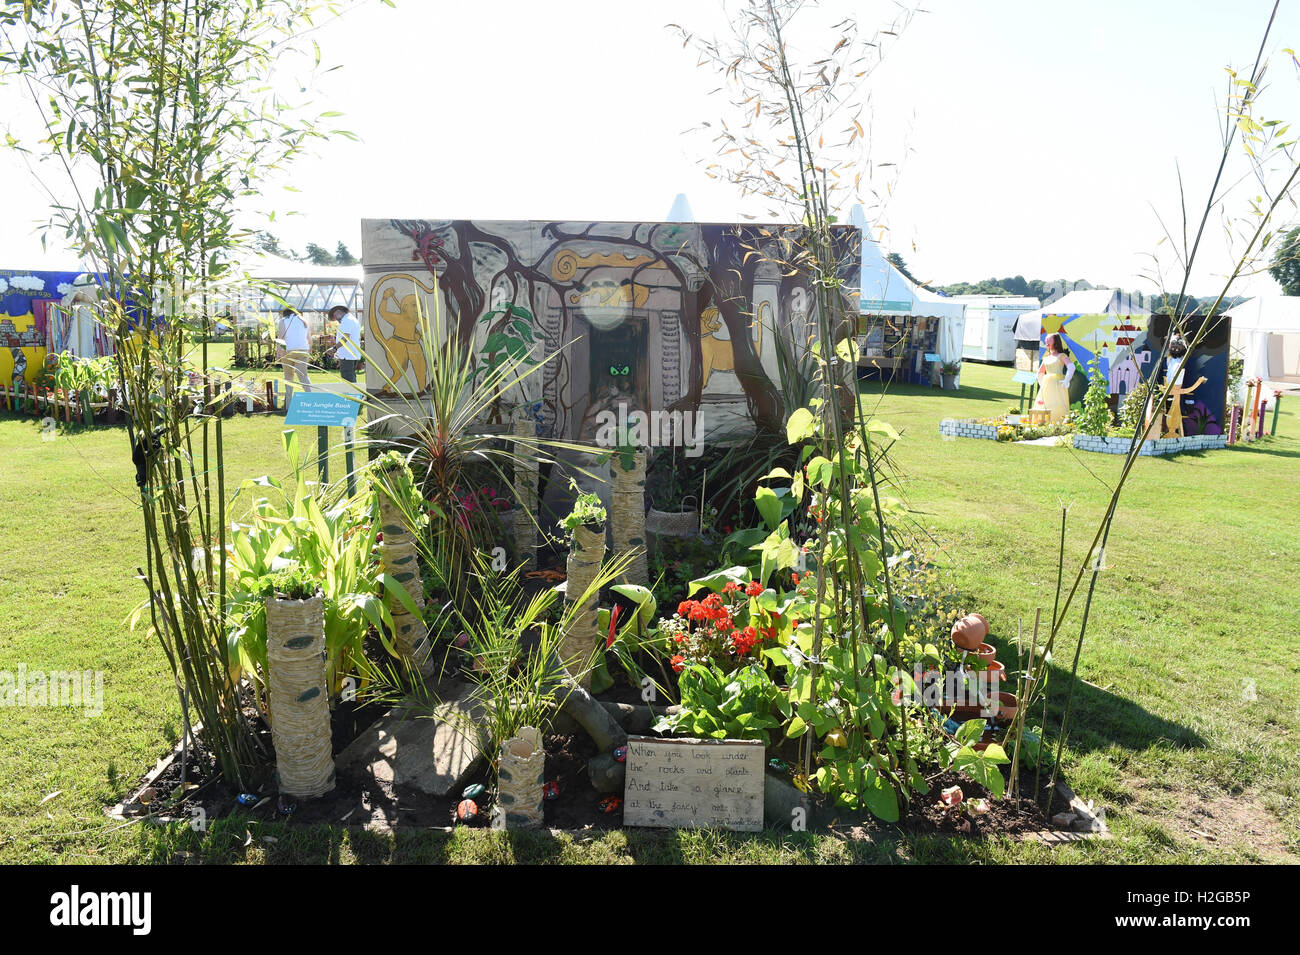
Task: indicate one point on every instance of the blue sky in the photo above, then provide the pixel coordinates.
(1030, 137)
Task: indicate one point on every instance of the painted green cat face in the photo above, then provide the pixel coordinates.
(619, 370)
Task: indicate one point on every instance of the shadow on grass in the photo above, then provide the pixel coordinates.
(234, 841)
(1100, 720)
(966, 392)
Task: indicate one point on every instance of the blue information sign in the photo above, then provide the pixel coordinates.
(323, 409)
(931, 356)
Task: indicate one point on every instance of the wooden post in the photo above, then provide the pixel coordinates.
(1277, 403)
(323, 453)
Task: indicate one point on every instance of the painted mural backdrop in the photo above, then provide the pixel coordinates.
(678, 321)
(1127, 346)
(27, 317)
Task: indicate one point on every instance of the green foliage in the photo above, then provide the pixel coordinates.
(1134, 407)
(1096, 413)
(331, 545)
(161, 122)
(742, 704)
(1285, 264)
(587, 511)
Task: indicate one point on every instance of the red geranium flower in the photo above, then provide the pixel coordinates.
(730, 586)
(679, 663)
(753, 588)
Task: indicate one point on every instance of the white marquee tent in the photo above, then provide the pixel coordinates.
(888, 292)
(1266, 332)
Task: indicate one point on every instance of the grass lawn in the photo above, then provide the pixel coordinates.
(1198, 606)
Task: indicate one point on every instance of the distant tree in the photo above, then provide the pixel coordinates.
(318, 256)
(343, 257)
(270, 244)
(1285, 264)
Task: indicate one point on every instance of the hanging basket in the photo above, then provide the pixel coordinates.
(520, 777)
(299, 695)
(681, 523)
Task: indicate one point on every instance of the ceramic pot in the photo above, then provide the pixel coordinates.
(969, 632)
(986, 652)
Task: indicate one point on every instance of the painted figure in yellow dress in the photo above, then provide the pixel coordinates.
(405, 345)
(1054, 375)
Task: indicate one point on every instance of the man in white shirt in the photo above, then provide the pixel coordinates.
(294, 347)
(348, 336)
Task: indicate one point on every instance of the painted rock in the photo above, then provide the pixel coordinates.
(620, 754)
(777, 764)
(551, 790)
(836, 737)
(467, 810)
(473, 791)
(610, 804)
(247, 799)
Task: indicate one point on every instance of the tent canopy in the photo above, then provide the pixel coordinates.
(1266, 330)
(886, 291)
(1095, 301)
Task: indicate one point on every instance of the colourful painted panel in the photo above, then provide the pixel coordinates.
(1127, 346)
(682, 319)
(25, 316)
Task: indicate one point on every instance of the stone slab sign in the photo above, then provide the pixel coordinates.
(403, 749)
(691, 783)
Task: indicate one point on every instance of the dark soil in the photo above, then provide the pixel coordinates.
(1004, 817)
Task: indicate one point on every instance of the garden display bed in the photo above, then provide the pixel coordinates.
(361, 802)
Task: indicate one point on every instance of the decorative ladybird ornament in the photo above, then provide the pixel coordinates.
(467, 810)
(551, 790)
(620, 754)
(836, 737)
(610, 804)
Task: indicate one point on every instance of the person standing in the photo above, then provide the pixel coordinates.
(1054, 375)
(348, 336)
(294, 347)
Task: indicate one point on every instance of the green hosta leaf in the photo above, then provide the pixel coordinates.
(769, 506)
(719, 579)
(800, 426)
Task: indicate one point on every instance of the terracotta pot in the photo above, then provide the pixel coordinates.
(985, 651)
(969, 632)
(997, 667)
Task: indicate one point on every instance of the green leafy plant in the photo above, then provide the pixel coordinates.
(333, 545)
(587, 511)
(742, 704)
(1095, 418)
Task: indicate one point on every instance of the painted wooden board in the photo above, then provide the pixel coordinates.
(689, 783)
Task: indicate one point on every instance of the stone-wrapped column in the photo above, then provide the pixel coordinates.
(525, 514)
(401, 562)
(520, 777)
(627, 515)
(579, 643)
(299, 697)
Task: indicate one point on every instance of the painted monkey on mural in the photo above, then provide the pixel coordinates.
(405, 345)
